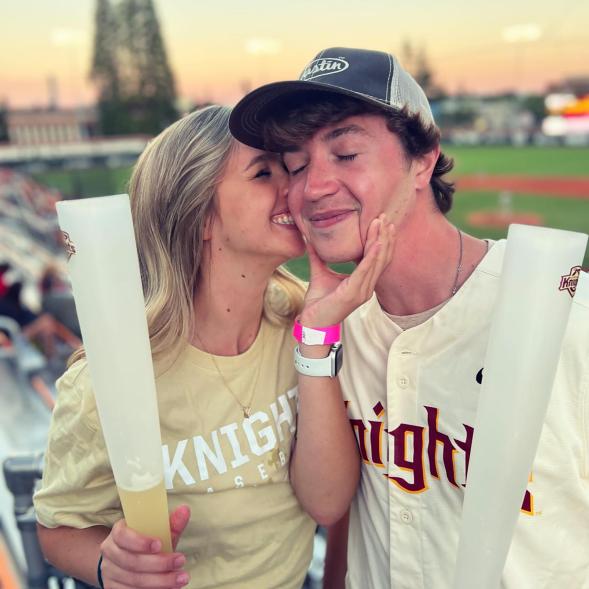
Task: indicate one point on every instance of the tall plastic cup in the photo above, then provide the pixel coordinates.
(104, 271)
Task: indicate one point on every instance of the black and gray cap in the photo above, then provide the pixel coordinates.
(371, 76)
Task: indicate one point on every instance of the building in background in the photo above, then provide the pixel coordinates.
(42, 138)
(490, 120)
(567, 105)
(50, 126)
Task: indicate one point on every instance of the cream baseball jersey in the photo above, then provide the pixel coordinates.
(412, 398)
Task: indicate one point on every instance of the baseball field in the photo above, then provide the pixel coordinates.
(495, 186)
(544, 186)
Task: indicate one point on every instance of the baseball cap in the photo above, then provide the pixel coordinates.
(375, 77)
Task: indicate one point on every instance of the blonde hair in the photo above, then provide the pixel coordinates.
(172, 191)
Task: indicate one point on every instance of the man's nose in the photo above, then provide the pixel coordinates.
(320, 180)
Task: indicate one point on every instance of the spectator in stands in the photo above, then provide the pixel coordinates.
(57, 299)
(43, 328)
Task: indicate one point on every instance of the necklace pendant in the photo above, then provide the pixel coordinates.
(247, 411)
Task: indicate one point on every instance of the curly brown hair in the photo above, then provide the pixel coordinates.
(297, 119)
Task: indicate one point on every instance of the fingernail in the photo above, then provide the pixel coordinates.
(182, 578)
(179, 562)
(156, 546)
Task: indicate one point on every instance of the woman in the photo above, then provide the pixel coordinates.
(213, 227)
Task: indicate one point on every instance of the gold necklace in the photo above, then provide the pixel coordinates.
(247, 409)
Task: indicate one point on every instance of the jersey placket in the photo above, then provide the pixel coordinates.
(406, 475)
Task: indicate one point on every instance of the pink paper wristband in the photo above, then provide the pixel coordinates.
(316, 336)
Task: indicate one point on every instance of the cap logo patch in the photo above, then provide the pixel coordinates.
(324, 67)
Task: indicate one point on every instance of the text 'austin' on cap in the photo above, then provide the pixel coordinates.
(371, 76)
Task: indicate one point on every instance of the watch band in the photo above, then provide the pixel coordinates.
(328, 366)
(316, 336)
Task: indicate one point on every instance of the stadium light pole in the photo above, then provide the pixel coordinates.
(519, 36)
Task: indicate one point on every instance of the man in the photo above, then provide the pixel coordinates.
(358, 139)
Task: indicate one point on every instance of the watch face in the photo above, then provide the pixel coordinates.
(339, 357)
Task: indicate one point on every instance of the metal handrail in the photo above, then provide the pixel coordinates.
(22, 474)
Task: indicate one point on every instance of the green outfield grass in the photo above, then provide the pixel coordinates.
(300, 267)
(564, 213)
(529, 161)
(560, 213)
(86, 183)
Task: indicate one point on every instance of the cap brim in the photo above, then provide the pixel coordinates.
(248, 116)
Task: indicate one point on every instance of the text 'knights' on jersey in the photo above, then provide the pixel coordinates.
(419, 452)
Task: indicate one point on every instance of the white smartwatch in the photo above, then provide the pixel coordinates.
(328, 366)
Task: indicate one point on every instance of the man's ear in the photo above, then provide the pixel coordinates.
(424, 167)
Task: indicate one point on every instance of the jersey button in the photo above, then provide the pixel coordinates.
(406, 516)
(403, 382)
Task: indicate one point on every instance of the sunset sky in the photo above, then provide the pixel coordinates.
(219, 47)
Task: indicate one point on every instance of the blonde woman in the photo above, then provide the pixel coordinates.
(213, 229)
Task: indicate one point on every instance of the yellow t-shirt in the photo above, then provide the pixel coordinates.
(247, 528)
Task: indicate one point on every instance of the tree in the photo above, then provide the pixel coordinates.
(105, 73)
(535, 104)
(130, 67)
(417, 64)
(104, 67)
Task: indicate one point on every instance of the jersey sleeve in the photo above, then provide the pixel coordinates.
(78, 488)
